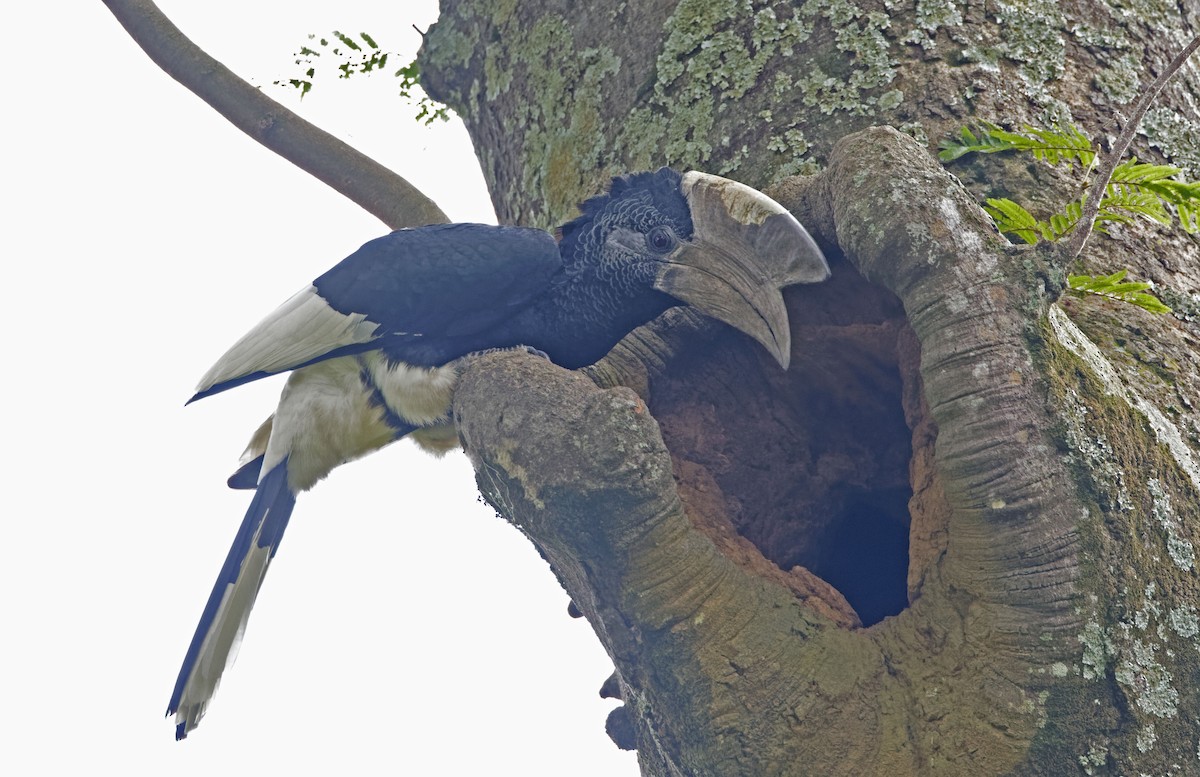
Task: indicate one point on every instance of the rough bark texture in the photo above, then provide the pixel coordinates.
(1003, 489)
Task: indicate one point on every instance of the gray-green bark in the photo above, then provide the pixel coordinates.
(1045, 455)
(1049, 467)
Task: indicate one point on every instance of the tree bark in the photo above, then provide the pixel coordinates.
(958, 535)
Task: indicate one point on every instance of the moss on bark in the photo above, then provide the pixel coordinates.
(1052, 617)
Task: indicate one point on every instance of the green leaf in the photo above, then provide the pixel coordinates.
(346, 39)
(1014, 219)
(1147, 190)
(1111, 287)
(409, 73)
(347, 58)
(1189, 217)
(1135, 190)
(1066, 145)
(1059, 225)
(968, 142)
(297, 83)
(952, 149)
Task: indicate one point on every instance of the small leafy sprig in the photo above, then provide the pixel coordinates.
(1069, 145)
(356, 55)
(430, 110)
(1112, 287)
(1136, 189)
(1133, 190)
(1144, 189)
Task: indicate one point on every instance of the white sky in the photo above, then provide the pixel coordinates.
(403, 628)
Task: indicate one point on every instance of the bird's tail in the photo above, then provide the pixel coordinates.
(224, 619)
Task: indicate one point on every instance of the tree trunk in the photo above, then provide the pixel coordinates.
(957, 537)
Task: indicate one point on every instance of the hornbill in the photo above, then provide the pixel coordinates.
(373, 345)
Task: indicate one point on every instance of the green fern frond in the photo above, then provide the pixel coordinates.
(1132, 201)
(968, 142)
(1158, 182)
(1130, 171)
(1189, 217)
(1013, 219)
(1061, 224)
(1175, 191)
(1112, 287)
(1134, 190)
(1147, 189)
(1067, 145)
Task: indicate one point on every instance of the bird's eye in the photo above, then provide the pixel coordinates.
(661, 239)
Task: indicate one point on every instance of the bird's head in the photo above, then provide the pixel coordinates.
(709, 242)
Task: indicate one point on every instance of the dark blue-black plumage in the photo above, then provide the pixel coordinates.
(443, 291)
(372, 344)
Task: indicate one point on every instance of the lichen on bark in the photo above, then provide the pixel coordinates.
(1140, 530)
(1048, 616)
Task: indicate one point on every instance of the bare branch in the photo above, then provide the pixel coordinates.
(1114, 156)
(377, 189)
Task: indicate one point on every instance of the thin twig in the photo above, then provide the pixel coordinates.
(1112, 159)
(364, 181)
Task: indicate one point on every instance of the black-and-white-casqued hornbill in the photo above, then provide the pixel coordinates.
(372, 344)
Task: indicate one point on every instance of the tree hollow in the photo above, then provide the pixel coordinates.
(828, 446)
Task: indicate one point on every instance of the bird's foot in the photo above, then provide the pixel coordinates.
(529, 349)
(463, 362)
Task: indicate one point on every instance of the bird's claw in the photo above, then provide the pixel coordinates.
(529, 349)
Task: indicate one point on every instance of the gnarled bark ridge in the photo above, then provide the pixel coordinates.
(731, 662)
(958, 536)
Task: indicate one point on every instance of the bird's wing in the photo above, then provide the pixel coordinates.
(436, 281)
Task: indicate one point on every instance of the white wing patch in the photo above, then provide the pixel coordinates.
(419, 395)
(328, 416)
(300, 330)
(325, 418)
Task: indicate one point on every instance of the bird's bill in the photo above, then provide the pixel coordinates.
(745, 247)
